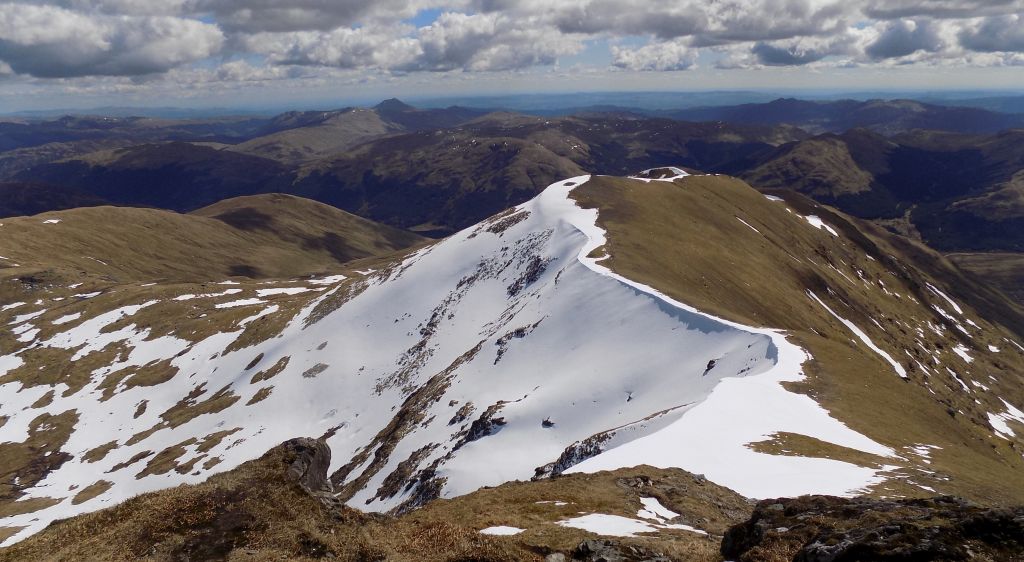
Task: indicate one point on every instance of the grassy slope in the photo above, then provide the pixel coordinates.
(336, 134)
(684, 239)
(255, 236)
(1004, 270)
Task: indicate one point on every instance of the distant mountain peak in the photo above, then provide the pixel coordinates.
(393, 105)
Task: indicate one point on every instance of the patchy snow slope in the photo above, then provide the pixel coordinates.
(498, 353)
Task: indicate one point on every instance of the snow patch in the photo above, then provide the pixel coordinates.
(67, 318)
(654, 510)
(955, 306)
(816, 222)
(331, 280)
(609, 525)
(501, 530)
(999, 421)
(962, 352)
(283, 291)
(896, 366)
(241, 302)
(749, 225)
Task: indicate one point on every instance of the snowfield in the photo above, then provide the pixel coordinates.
(501, 352)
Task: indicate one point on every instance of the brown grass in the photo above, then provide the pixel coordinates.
(26, 506)
(91, 491)
(266, 235)
(272, 372)
(261, 395)
(97, 454)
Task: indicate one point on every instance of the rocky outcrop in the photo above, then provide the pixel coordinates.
(830, 529)
(308, 462)
(573, 455)
(594, 550)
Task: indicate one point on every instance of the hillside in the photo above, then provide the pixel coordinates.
(441, 181)
(790, 341)
(882, 116)
(257, 236)
(177, 176)
(23, 198)
(74, 129)
(335, 132)
(960, 194)
(305, 136)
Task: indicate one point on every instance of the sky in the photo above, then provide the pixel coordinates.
(259, 53)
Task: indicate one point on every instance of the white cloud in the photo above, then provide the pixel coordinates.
(668, 55)
(901, 38)
(480, 42)
(343, 47)
(1001, 33)
(53, 42)
(894, 9)
(489, 42)
(305, 15)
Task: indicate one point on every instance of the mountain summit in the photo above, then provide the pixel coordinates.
(393, 105)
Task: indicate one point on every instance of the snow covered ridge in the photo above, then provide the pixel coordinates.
(500, 353)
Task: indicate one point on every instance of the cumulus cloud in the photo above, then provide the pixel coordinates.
(718, 21)
(489, 42)
(668, 55)
(53, 42)
(778, 55)
(905, 37)
(343, 47)
(303, 15)
(1003, 33)
(895, 9)
(243, 71)
(479, 42)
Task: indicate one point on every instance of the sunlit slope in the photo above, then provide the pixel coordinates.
(869, 308)
(257, 236)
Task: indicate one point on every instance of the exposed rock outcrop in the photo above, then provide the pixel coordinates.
(310, 460)
(830, 529)
(612, 551)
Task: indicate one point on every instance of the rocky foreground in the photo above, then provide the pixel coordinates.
(828, 529)
(282, 506)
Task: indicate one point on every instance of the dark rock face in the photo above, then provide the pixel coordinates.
(309, 461)
(611, 551)
(830, 529)
(573, 455)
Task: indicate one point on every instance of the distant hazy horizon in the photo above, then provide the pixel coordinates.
(302, 53)
(533, 102)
